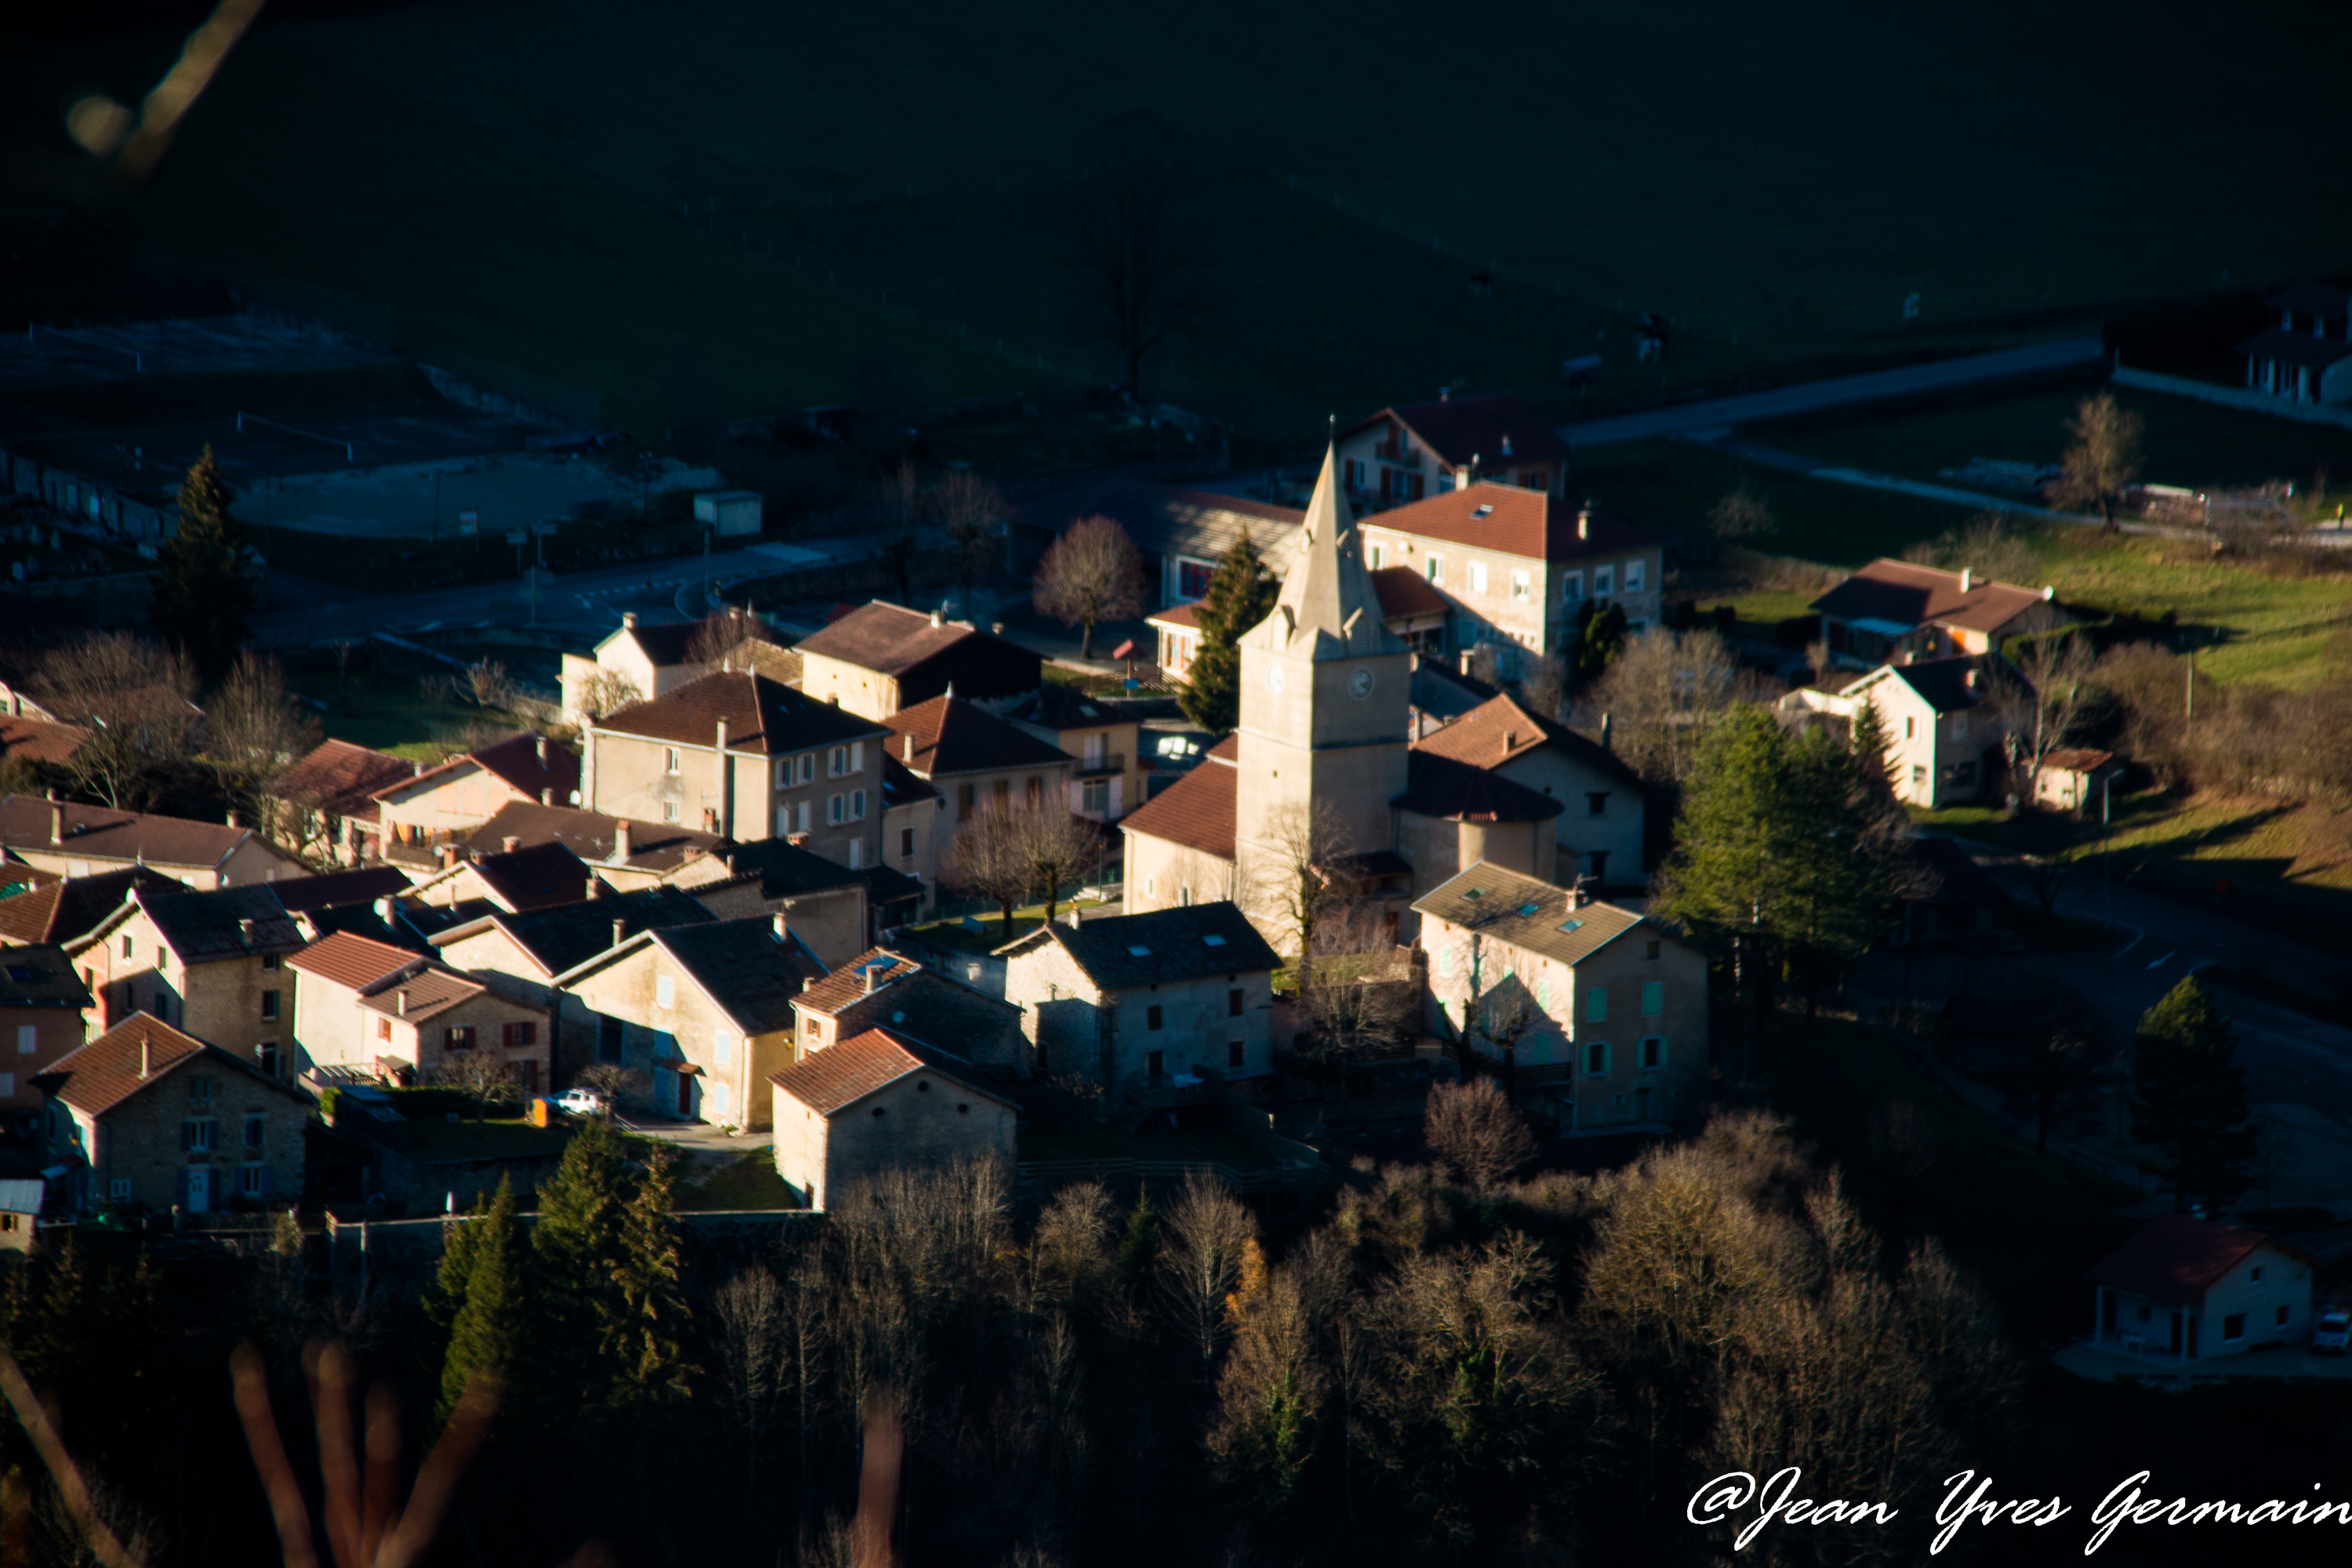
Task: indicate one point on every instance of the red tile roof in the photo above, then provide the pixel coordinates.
(68, 908)
(37, 740)
(1196, 811)
(1901, 594)
(2177, 1258)
(423, 994)
(1185, 617)
(1513, 521)
(886, 638)
(345, 779)
(831, 1080)
(1406, 593)
(103, 834)
(589, 836)
(1460, 429)
(528, 762)
(1499, 731)
(356, 961)
(950, 735)
(847, 984)
(2077, 760)
(139, 1051)
(339, 890)
(763, 716)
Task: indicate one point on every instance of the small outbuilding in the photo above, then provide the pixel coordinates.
(2184, 1288)
(2072, 778)
(20, 1210)
(880, 1102)
(729, 511)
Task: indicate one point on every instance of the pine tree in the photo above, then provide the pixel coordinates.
(445, 1297)
(1871, 743)
(1140, 1247)
(488, 1326)
(2189, 1099)
(644, 1337)
(1600, 633)
(578, 1244)
(202, 595)
(1240, 595)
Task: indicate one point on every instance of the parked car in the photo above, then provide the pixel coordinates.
(2333, 1333)
(583, 1102)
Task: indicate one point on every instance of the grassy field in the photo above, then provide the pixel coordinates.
(388, 713)
(1672, 486)
(589, 193)
(994, 932)
(749, 1182)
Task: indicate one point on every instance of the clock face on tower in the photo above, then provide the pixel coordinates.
(1273, 678)
(1359, 685)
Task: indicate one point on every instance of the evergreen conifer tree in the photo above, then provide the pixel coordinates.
(1871, 743)
(578, 1244)
(1140, 1247)
(202, 595)
(445, 1297)
(2189, 1099)
(488, 1327)
(1240, 595)
(645, 1336)
(1600, 633)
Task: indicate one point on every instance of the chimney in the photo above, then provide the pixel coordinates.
(596, 887)
(870, 980)
(1444, 394)
(510, 844)
(56, 822)
(232, 820)
(245, 931)
(781, 933)
(416, 770)
(448, 856)
(620, 932)
(384, 910)
(722, 740)
(542, 750)
(400, 1001)
(1511, 740)
(547, 795)
(797, 840)
(628, 620)
(997, 627)
(806, 982)
(621, 842)
(1584, 520)
(1507, 446)
(911, 748)
(2048, 592)
(1969, 680)
(1072, 916)
(1604, 734)
(1966, 579)
(935, 617)
(146, 1056)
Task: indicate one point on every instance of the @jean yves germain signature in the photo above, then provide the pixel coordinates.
(1737, 1496)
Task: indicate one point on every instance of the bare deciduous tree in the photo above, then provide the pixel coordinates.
(755, 1355)
(1203, 1235)
(1474, 1128)
(137, 701)
(1141, 248)
(1360, 1000)
(1055, 841)
(1289, 881)
(485, 1074)
(1663, 693)
(2103, 458)
(724, 631)
(1092, 574)
(619, 1085)
(974, 511)
(2040, 697)
(1741, 514)
(488, 683)
(254, 732)
(989, 856)
(1546, 687)
(608, 691)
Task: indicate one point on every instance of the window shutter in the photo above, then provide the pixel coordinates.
(267, 1183)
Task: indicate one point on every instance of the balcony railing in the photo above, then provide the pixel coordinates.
(1398, 456)
(1102, 762)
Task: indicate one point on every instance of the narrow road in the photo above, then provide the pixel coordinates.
(1806, 396)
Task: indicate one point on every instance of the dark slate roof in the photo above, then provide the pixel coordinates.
(227, 923)
(429, 921)
(361, 920)
(664, 646)
(1058, 706)
(751, 973)
(1440, 787)
(1185, 944)
(786, 870)
(1944, 682)
(589, 835)
(900, 787)
(74, 906)
(526, 760)
(569, 935)
(2177, 1258)
(2308, 298)
(335, 889)
(950, 735)
(1460, 429)
(41, 976)
(762, 716)
(2295, 347)
(885, 886)
(538, 877)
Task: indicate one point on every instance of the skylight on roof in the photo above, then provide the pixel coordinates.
(1474, 893)
(1571, 925)
(1213, 940)
(1139, 950)
(1482, 508)
(1527, 910)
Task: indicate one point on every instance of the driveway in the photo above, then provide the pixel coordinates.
(1940, 375)
(2298, 1070)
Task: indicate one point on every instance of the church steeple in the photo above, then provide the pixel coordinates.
(1329, 608)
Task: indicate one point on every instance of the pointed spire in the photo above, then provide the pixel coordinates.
(1327, 591)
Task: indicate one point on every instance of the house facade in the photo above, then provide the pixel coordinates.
(1108, 780)
(1946, 737)
(1599, 833)
(75, 840)
(1893, 612)
(975, 762)
(42, 1004)
(213, 964)
(1403, 454)
(742, 757)
(374, 1011)
(2307, 357)
(705, 1010)
(1608, 1011)
(631, 664)
(1147, 1006)
(148, 1115)
(328, 798)
(880, 1102)
(451, 801)
(2186, 1289)
(882, 658)
(879, 988)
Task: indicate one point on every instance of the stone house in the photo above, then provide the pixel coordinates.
(882, 658)
(22, 1198)
(1517, 566)
(1109, 778)
(516, 877)
(214, 964)
(2183, 1288)
(705, 1011)
(372, 1010)
(974, 760)
(449, 802)
(1148, 1006)
(911, 811)
(76, 840)
(833, 910)
(647, 661)
(1183, 534)
(880, 1102)
(149, 1114)
(1179, 850)
(2308, 356)
(1454, 813)
(332, 789)
(1603, 803)
(1612, 1007)
(64, 909)
(1893, 612)
(881, 988)
(1946, 736)
(743, 757)
(41, 1018)
(1403, 455)
(2072, 778)
(625, 853)
(521, 956)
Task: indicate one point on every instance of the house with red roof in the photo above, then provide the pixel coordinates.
(2184, 1290)
(450, 800)
(330, 795)
(368, 1010)
(878, 1103)
(1894, 612)
(882, 658)
(972, 761)
(1945, 733)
